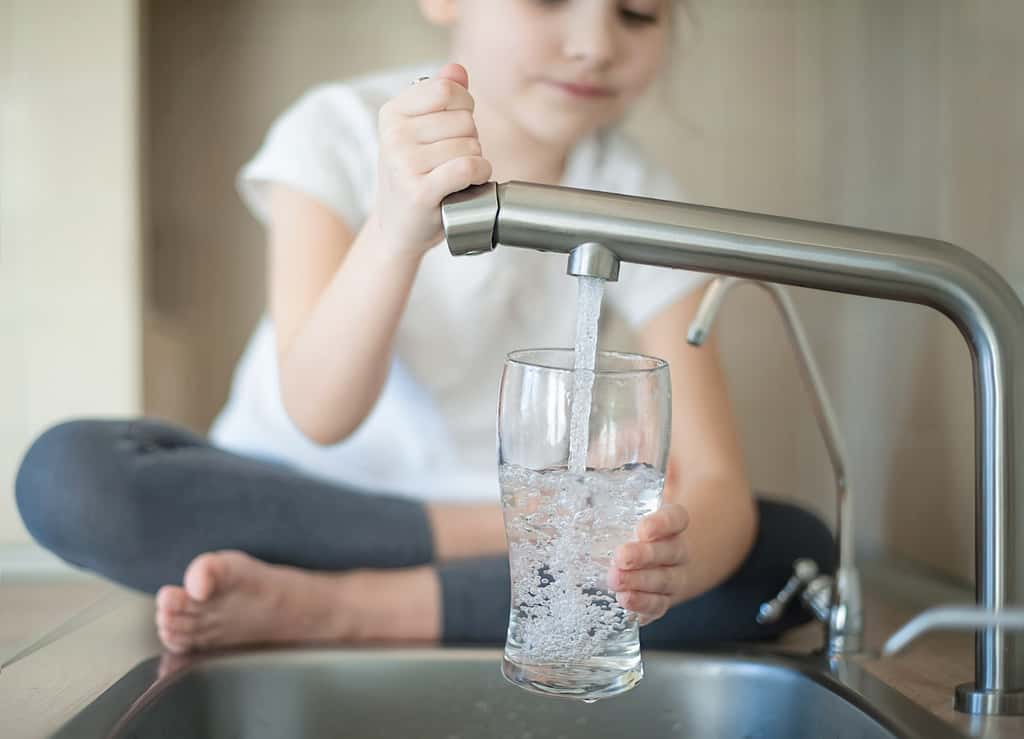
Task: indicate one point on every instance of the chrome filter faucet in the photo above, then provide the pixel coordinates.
(857, 261)
(841, 610)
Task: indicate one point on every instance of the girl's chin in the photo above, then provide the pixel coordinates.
(554, 123)
(564, 130)
(575, 120)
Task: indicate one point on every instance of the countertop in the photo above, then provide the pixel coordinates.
(114, 631)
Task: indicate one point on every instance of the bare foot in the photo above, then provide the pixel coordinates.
(231, 599)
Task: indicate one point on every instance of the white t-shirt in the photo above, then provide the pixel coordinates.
(431, 434)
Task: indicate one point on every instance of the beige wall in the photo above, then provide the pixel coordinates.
(902, 116)
(69, 288)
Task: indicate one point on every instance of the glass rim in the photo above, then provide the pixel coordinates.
(516, 358)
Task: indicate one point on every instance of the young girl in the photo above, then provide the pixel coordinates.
(350, 493)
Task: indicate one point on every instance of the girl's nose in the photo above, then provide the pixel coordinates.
(589, 35)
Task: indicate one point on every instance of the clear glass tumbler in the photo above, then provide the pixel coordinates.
(567, 634)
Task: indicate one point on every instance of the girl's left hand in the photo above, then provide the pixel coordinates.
(649, 575)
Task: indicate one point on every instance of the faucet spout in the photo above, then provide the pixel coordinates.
(593, 260)
(828, 257)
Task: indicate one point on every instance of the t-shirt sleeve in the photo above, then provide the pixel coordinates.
(323, 146)
(643, 291)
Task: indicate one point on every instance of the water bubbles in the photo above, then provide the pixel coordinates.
(559, 556)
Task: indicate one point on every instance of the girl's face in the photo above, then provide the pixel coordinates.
(559, 68)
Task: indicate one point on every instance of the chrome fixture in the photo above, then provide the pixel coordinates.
(828, 257)
(843, 614)
(815, 591)
(960, 618)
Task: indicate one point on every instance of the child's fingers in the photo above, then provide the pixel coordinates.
(455, 72)
(429, 156)
(447, 124)
(670, 519)
(652, 580)
(636, 555)
(429, 96)
(455, 175)
(650, 605)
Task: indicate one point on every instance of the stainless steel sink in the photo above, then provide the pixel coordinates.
(460, 694)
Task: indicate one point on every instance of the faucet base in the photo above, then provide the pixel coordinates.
(988, 702)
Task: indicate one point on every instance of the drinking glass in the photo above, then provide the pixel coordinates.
(567, 634)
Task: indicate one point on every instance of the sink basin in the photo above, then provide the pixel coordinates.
(460, 694)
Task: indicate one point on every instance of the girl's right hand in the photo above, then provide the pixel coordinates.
(429, 148)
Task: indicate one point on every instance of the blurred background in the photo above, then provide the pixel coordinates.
(131, 275)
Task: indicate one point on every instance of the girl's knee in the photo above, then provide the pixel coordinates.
(61, 480)
(788, 532)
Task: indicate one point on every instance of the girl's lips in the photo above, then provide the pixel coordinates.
(582, 90)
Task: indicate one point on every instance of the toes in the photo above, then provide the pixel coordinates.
(209, 573)
(201, 577)
(175, 642)
(172, 599)
(177, 619)
(189, 618)
(186, 634)
(182, 623)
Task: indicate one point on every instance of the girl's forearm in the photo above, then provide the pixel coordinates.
(723, 524)
(333, 369)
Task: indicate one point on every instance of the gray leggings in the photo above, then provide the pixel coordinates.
(136, 501)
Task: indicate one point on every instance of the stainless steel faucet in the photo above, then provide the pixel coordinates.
(842, 611)
(841, 259)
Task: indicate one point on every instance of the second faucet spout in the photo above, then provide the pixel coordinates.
(845, 615)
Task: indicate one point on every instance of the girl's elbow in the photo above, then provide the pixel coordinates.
(311, 421)
(322, 437)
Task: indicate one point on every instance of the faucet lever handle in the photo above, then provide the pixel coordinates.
(804, 571)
